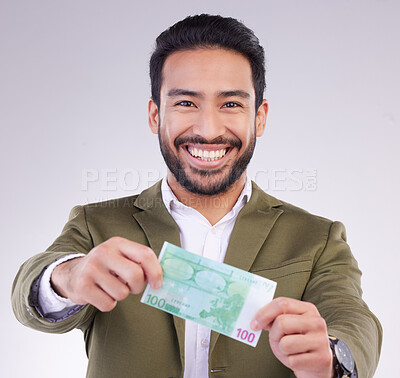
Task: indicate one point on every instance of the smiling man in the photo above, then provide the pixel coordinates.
(207, 108)
(207, 122)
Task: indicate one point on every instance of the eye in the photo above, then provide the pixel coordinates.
(232, 105)
(185, 103)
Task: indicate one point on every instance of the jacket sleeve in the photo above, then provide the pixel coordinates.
(335, 288)
(75, 238)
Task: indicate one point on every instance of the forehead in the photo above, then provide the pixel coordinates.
(207, 70)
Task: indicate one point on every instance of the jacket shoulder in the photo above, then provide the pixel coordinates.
(289, 212)
(122, 203)
(302, 214)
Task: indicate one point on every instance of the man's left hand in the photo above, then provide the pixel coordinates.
(298, 336)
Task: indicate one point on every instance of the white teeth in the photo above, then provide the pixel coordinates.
(207, 155)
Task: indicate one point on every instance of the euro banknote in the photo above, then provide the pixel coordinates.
(213, 294)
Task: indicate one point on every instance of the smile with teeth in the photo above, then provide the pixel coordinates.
(206, 155)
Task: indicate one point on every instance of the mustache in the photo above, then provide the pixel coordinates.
(201, 140)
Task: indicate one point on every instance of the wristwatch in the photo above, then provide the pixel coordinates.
(343, 361)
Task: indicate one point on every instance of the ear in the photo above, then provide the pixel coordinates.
(153, 116)
(261, 118)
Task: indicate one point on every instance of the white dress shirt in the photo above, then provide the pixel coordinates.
(200, 237)
(197, 236)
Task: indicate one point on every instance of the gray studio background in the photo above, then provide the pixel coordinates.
(73, 102)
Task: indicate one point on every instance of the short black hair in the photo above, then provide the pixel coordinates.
(208, 31)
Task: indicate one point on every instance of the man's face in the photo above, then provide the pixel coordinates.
(206, 121)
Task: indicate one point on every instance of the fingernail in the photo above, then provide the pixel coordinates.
(157, 285)
(254, 325)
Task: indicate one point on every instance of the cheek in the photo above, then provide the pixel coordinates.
(176, 124)
(242, 127)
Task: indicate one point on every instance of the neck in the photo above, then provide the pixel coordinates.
(213, 208)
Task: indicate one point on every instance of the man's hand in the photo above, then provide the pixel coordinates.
(298, 336)
(108, 273)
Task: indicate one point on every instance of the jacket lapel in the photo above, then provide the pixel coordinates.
(159, 226)
(155, 220)
(251, 229)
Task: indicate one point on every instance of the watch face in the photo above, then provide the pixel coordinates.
(344, 356)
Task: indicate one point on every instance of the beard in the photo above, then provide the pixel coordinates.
(210, 181)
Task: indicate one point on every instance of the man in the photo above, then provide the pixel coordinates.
(207, 108)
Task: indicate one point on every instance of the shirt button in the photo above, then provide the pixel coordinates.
(213, 231)
(204, 343)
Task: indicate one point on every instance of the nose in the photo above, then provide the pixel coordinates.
(209, 124)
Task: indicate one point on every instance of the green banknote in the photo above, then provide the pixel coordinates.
(215, 295)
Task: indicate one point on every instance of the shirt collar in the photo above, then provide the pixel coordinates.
(170, 199)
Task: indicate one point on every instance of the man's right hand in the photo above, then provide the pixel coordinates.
(108, 273)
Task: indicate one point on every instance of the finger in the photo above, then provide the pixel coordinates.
(134, 278)
(311, 361)
(297, 344)
(128, 272)
(288, 324)
(112, 286)
(144, 256)
(267, 314)
(98, 298)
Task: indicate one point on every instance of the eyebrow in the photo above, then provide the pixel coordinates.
(234, 93)
(186, 92)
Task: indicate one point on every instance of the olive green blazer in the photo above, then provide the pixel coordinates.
(306, 255)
